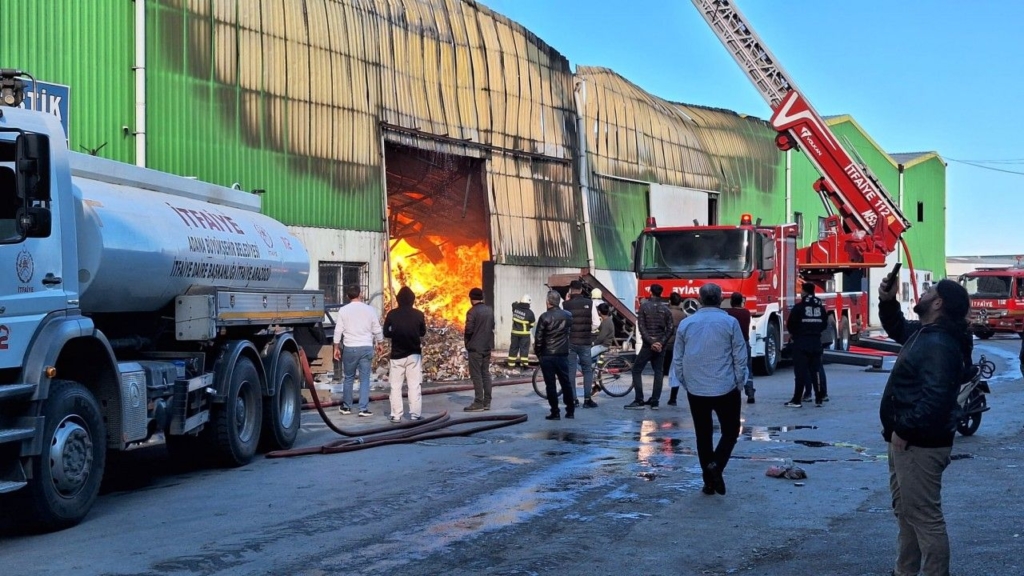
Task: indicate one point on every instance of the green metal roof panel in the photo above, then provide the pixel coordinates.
(50, 40)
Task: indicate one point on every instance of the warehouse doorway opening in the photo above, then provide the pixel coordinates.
(439, 228)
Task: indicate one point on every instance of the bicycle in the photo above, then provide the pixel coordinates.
(613, 375)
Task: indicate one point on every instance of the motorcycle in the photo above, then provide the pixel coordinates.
(972, 397)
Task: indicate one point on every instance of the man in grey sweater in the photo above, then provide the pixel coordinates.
(710, 360)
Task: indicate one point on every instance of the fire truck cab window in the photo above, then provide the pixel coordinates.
(988, 286)
(696, 254)
(1020, 289)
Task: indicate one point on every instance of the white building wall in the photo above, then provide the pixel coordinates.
(330, 245)
(678, 206)
(511, 283)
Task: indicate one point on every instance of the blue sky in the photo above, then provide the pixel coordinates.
(939, 75)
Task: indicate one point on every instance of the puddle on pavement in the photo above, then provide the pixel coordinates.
(769, 433)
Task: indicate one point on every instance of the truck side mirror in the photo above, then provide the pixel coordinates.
(767, 254)
(36, 222)
(32, 167)
(635, 246)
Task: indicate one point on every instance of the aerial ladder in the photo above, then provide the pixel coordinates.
(862, 225)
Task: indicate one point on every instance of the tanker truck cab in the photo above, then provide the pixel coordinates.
(34, 282)
(137, 306)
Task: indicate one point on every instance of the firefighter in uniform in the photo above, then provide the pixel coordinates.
(806, 322)
(522, 322)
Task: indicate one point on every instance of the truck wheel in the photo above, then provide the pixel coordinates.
(67, 475)
(236, 423)
(282, 413)
(765, 365)
(843, 339)
(985, 335)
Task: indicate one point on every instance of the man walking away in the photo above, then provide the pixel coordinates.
(675, 307)
(711, 364)
(581, 339)
(805, 324)
(742, 315)
(358, 326)
(522, 322)
(405, 326)
(918, 414)
(479, 339)
(655, 324)
(552, 349)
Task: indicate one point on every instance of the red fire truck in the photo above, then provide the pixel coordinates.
(997, 300)
(863, 225)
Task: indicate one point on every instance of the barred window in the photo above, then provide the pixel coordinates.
(335, 277)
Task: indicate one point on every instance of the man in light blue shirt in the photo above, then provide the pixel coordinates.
(710, 360)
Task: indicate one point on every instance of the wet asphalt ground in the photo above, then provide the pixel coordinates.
(612, 492)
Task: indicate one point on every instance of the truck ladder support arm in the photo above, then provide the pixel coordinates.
(863, 204)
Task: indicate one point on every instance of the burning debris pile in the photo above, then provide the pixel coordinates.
(444, 357)
(441, 275)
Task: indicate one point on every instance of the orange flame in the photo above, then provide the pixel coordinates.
(442, 287)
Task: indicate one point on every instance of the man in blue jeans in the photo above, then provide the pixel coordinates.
(581, 338)
(358, 326)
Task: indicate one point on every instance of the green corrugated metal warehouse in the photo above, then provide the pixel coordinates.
(436, 122)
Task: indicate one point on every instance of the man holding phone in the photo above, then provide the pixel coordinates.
(917, 412)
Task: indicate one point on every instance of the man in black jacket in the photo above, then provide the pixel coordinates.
(479, 343)
(551, 346)
(918, 413)
(655, 324)
(805, 324)
(580, 306)
(405, 326)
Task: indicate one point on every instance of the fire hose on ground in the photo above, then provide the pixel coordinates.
(430, 428)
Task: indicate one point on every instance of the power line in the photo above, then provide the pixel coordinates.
(1009, 161)
(983, 167)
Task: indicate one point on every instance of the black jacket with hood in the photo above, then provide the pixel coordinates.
(919, 401)
(405, 326)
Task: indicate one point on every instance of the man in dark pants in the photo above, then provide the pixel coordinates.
(711, 364)
(918, 413)
(675, 307)
(742, 315)
(805, 324)
(551, 346)
(655, 323)
(828, 336)
(522, 322)
(581, 338)
(479, 343)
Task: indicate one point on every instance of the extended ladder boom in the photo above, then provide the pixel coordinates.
(871, 224)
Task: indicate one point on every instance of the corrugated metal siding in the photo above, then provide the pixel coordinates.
(632, 134)
(618, 210)
(291, 94)
(536, 213)
(245, 92)
(751, 166)
(88, 46)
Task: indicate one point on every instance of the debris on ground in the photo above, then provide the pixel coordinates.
(788, 472)
(444, 355)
